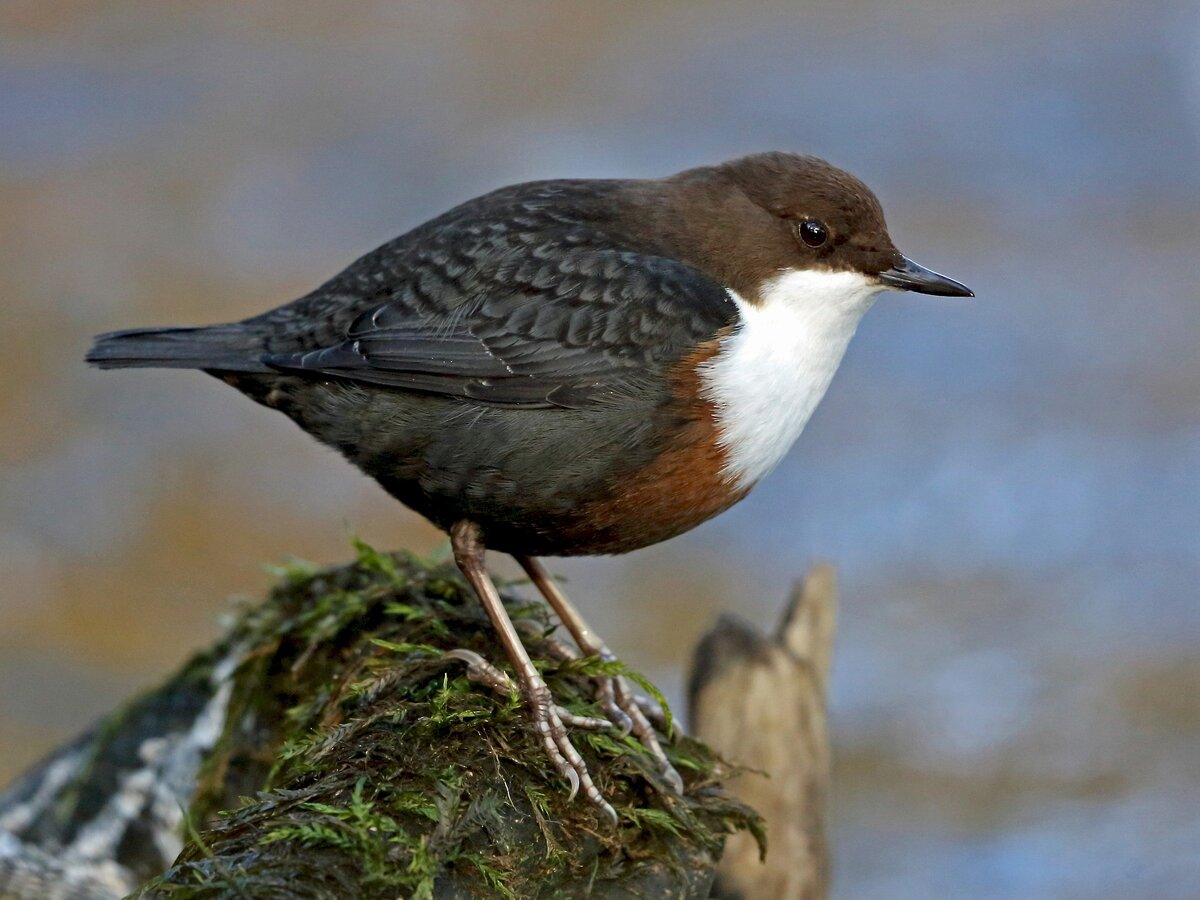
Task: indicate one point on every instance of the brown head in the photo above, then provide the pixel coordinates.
(750, 219)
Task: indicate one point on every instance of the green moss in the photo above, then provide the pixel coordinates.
(378, 769)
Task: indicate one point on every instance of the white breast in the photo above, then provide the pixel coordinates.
(773, 370)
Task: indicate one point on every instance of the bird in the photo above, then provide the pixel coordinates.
(570, 367)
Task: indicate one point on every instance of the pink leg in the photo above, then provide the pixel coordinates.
(469, 554)
(616, 698)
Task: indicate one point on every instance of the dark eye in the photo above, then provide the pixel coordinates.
(813, 233)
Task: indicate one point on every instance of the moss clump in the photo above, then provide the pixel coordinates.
(378, 769)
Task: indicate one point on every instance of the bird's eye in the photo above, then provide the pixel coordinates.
(813, 233)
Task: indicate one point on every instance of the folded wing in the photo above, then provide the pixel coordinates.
(562, 329)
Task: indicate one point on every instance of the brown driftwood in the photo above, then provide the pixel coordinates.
(760, 702)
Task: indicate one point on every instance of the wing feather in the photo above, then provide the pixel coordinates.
(530, 329)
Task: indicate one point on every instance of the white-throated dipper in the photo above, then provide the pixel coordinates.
(573, 367)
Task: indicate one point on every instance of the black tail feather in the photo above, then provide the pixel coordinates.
(228, 347)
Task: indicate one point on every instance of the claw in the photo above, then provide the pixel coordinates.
(626, 726)
(612, 708)
(644, 732)
(622, 706)
(481, 671)
(470, 657)
(610, 814)
(573, 778)
(550, 720)
(673, 779)
(622, 723)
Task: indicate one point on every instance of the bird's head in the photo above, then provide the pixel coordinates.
(778, 213)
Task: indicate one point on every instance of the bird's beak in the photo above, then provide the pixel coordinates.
(906, 275)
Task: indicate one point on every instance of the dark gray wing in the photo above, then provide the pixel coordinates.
(553, 325)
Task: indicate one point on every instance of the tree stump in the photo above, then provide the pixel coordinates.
(760, 701)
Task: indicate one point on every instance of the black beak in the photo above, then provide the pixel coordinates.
(906, 275)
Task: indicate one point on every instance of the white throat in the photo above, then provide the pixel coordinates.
(773, 370)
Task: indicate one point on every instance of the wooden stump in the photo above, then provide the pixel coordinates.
(759, 701)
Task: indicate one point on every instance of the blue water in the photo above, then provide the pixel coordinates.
(1010, 486)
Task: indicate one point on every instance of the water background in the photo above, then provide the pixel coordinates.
(1010, 487)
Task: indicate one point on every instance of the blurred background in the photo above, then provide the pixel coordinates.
(1009, 486)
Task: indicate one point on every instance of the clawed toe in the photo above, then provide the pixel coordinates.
(587, 723)
(651, 710)
(626, 711)
(642, 729)
(550, 721)
(562, 752)
(608, 702)
(483, 672)
(630, 712)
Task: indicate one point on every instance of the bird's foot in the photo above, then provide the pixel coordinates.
(628, 710)
(550, 721)
(637, 714)
(483, 672)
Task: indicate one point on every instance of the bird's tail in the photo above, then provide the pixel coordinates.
(229, 347)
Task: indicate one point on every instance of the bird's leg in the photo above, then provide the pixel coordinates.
(564, 652)
(617, 699)
(469, 554)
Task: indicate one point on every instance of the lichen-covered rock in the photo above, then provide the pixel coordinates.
(104, 813)
(345, 756)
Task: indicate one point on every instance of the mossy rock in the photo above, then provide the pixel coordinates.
(377, 769)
